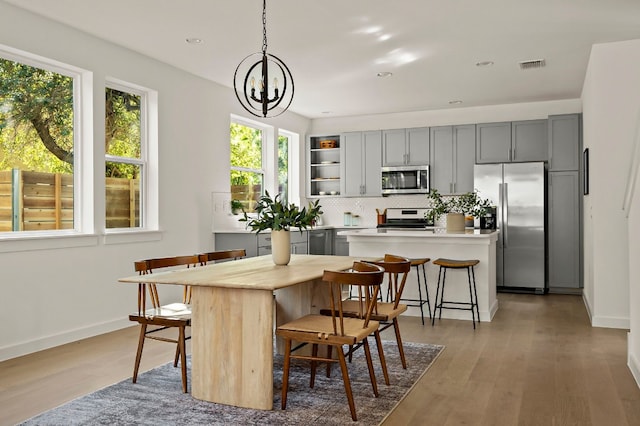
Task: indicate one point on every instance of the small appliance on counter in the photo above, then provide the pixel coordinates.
(411, 218)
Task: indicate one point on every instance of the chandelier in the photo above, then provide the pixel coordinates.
(263, 82)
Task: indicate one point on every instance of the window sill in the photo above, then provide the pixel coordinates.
(15, 243)
(127, 236)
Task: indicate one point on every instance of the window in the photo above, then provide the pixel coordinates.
(124, 164)
(283, 166)
(247, 170)
(40, 153)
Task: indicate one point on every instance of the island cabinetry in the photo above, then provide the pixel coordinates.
(361, 165)
(506, 142)
(452, 158)
(402, 147)
(324, 165)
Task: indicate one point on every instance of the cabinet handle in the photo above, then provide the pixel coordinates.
(509, 153)
(454, 187)
(514, 154)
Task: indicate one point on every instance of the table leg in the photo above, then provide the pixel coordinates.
(232, 346)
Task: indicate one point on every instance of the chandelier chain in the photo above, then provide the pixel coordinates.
(264, 26)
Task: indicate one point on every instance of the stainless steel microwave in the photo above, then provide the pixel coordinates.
(405, 180)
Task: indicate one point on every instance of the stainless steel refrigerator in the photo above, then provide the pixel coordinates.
(518, 190)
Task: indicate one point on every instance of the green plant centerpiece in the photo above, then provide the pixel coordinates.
(469, 204)
(279, 217)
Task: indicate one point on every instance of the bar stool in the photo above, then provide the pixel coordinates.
(457, 264)
(419, 263)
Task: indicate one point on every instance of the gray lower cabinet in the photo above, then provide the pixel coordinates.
(362, 162)
(452, 158)
(321, 241)
(299, 243)
(237, 240)
(564, 231)
(340, 244)
(564, 142)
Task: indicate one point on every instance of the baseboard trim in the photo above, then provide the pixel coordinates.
(25, 348)
(610, 322)
(633, 364)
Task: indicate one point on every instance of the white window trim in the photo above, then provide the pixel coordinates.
(293, 173)
(83, 233)
(149, 200)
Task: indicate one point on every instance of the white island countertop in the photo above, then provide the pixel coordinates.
(421, 233)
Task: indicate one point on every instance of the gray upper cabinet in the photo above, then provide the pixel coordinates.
(362, 161)
(493, 143)
(564, 230)
(564, 142)
(508, 142)
(529, 140)
(452, 158)
(402, 147)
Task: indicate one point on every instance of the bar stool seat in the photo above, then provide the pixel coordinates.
(419, 263)
(472, 305)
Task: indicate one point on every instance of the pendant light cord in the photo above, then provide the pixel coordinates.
(264, 26)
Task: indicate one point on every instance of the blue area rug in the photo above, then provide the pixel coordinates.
(157, 398)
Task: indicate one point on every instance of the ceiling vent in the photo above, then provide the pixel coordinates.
(535, 63)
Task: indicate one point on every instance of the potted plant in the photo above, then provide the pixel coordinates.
(280, 217)
(456, 207)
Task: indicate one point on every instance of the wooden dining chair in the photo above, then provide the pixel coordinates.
(386, 313)
(336, 330)
(161, 317)
(215, 256)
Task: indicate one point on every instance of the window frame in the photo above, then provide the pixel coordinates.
(83, 180)
(149, 185)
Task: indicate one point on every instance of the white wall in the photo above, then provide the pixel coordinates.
(611, 104)
(611, 99)
(53, 296)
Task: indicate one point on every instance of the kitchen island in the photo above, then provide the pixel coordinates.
(435, 243)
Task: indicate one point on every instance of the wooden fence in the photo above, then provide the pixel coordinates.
(248, 195)
(31, 201)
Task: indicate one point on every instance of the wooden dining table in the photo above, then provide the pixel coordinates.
(232, 324)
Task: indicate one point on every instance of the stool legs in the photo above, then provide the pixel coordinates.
(426, 291)
(473, 296)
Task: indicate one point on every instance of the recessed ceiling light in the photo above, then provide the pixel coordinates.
(484, 64)
(326, 112)
(456, 102)
(384, 74)
(194, 40)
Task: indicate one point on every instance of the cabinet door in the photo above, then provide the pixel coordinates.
(239, 240)
(321, 241)
(529, 140)
(464, 138)
(340, 244)
(372, 167)
(441, 168)
(564, 142)
(493, 143)
(564, 230)
(352, 148)
(417, 146)
(393, 147)
(299, 248)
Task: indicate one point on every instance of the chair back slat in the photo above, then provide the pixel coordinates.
(147, 266)
(367, 277)
(396, 269)
(222, 255)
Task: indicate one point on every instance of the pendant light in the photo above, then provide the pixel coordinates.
(263, 82)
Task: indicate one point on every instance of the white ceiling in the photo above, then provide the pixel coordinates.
(334, 48)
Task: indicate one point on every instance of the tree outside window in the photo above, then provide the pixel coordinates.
(247, 171)
(36, 148)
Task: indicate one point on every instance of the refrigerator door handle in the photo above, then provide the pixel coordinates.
(505, 210)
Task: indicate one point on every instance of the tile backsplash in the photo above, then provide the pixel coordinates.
(365, 207)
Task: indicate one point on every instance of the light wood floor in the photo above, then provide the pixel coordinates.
(538, 363)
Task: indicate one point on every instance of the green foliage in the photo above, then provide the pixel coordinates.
(276, 215)
(469, 203)
(246, 152)
(122, 132)
(36, 118)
